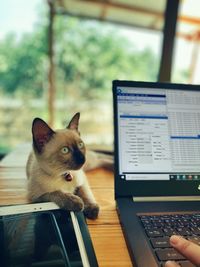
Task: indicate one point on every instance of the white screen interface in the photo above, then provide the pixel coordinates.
(158, 134)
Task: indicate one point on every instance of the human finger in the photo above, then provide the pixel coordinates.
(171, 264)
(188, 249)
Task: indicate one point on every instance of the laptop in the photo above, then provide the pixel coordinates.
(157, 167)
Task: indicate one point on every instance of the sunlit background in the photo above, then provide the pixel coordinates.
(89, 54)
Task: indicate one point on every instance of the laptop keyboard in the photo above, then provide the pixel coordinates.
(159, 228)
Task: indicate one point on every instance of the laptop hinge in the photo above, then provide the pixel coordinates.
(166, 198)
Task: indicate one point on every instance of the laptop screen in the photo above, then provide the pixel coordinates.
(158, 132)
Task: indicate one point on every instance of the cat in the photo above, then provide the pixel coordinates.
(56, 168)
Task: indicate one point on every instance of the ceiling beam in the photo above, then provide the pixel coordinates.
(132, 8)
(105, 5)
(127, 24)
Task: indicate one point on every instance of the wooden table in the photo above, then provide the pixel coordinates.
(106, 232)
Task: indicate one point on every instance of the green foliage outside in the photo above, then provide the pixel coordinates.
(88, 56)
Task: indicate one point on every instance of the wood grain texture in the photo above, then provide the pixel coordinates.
(110, 246)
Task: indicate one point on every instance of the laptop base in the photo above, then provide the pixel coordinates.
(136, 240)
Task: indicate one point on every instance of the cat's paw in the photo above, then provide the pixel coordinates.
(91, 211)
(76, 203)
(72, 203)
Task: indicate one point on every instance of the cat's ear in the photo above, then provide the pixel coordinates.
(73, 125)
(42, 133)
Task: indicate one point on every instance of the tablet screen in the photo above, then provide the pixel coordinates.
(38, 239)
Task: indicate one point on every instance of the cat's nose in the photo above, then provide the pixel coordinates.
(79, 158)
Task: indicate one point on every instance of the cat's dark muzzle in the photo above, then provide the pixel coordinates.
(78, 161)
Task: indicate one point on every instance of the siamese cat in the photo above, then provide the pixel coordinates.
(55, 168)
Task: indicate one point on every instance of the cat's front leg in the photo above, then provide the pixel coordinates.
(65, 201)
(91, 208)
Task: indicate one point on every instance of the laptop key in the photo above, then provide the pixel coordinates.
(168, 254)
(195, 230)
(170, 231)
(160, 242)
(183, 231)
(154, 232)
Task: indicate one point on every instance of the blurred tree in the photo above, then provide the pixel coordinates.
(88, 57)
(22, 63)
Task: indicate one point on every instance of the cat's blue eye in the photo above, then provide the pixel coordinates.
(81, 145)
(65, 150)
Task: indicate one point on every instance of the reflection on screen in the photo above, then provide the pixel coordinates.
(38, 240)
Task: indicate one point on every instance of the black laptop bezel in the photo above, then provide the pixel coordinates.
(124, 188)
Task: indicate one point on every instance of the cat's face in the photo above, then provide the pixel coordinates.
(60, 150)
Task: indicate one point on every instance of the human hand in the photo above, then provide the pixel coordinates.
(188, 249)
